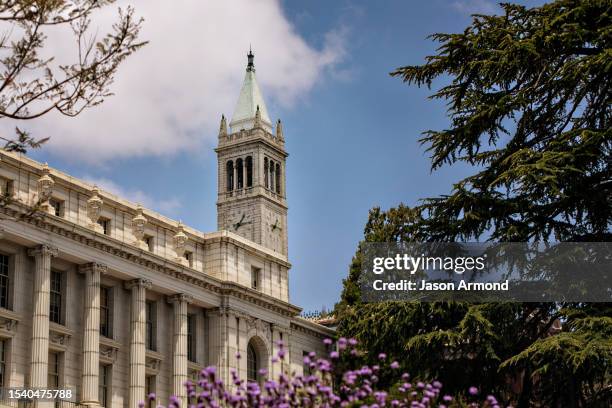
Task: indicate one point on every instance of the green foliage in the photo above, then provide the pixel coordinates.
(529, 102)
(529, 99)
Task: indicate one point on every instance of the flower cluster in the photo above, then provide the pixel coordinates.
(353, 388)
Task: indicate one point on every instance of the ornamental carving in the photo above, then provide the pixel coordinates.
(138, 226)
(260, 327)
(180, 241)
(153, 362)
(59, 336)
(108, 352)
(179, 297)
(8, 323)
(94, 208)
(43, 250)
(45, 184)
(138, 283)
(279, 131)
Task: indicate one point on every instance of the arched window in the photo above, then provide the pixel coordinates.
(252, 364)
(271, 175)
(266, 171)
(249, 171)
(240, 176)
(229, 170)
(278, 178)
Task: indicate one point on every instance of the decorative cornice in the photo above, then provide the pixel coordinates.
(42, 250)
(139, 283)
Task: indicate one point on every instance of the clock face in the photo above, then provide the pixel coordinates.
(275, 231)
(238, 221)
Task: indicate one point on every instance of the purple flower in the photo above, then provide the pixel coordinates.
(382, 356)
(327, 342)
(288, 390)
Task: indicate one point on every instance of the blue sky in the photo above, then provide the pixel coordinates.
(351, 129)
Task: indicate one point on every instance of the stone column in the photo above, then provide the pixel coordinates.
(40, 319)
(179, 349)
(244, 173)
(235, 178)
(91, 333)
(137, 340)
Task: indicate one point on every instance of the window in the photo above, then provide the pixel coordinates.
(266, 172)
(271, 175)
(58, 207)
(105, 312)
(104, 385)
(150, 242)
(151, 326)
(255, 277)
(278, 178)
(229, 170)
(3, 353)
(239, 174)
(9, 188)
(249, 171)
(105, 224)
(55, 304)
(53, 371)
(191, 337)
(5, 281)
(189, 257)
(252, 364)
(149, 389)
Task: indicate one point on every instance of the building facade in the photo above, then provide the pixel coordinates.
(115, 301)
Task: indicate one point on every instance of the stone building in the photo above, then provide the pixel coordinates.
(115, 301)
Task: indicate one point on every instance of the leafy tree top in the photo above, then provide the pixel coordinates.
(529, 101)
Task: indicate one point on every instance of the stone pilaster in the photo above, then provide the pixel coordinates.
(91, 333)
(40, 319)
(179, 349)
(137, 340)
(219, 341)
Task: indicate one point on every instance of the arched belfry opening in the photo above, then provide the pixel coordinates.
(229, 171)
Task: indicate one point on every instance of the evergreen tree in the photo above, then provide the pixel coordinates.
(529, 101)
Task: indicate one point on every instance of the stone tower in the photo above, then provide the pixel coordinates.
(251, 156)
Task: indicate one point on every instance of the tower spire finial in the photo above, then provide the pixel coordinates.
(250, 58)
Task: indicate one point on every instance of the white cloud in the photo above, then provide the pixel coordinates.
(136, 196)
(169, 96)
(476, 6)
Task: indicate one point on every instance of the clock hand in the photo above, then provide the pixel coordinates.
(240, 223)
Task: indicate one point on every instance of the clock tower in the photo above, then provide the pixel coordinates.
(251, 199)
